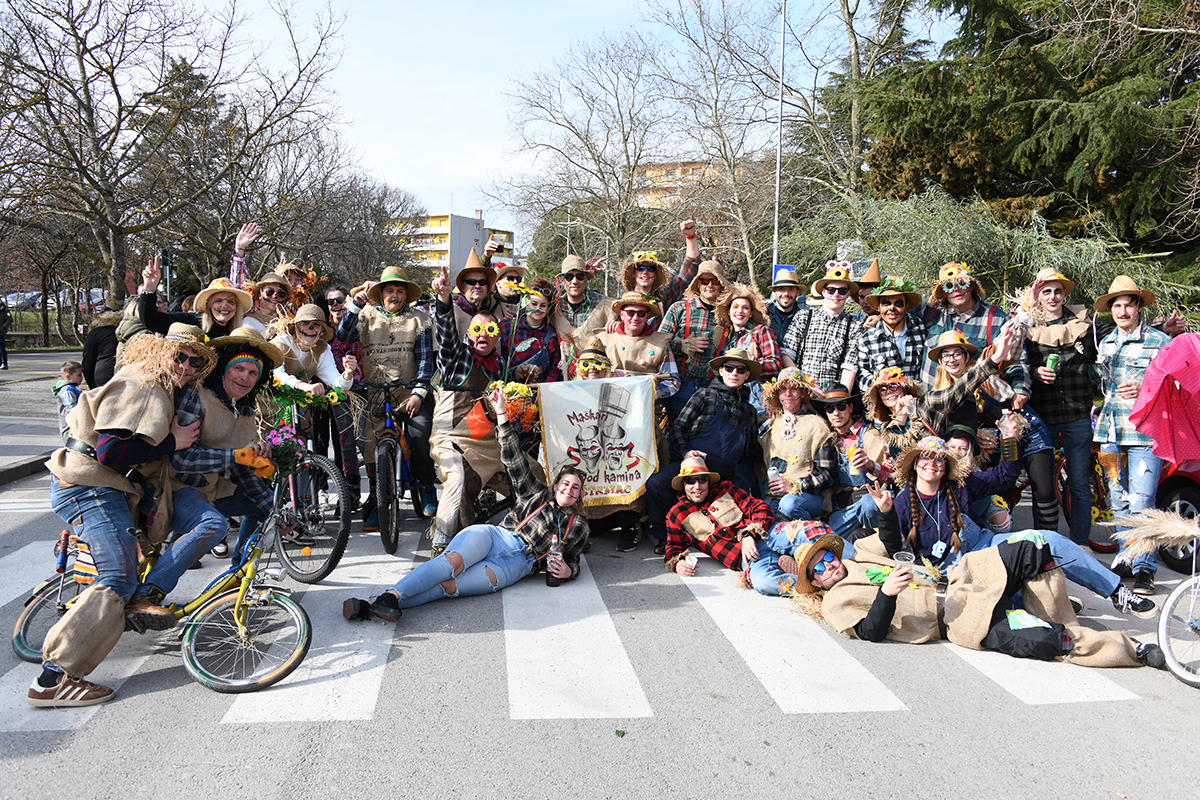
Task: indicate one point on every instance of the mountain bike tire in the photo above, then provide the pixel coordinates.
(39, 615)
(314, 549)
(387, 492)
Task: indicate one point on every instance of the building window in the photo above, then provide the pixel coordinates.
(670, 173)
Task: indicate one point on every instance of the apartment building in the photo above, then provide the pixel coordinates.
(445, 240)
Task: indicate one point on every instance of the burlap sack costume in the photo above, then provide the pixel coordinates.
(466, 452)
(976, 586)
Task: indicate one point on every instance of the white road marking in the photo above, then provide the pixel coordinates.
(565, 659)
(795, 658)
(24, 569)
(20, 505)
(17, 715)
(1038, 683)
(342, 674)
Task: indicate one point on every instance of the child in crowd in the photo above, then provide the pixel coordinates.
(67, 391)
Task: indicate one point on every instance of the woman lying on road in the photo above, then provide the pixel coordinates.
(544, 523)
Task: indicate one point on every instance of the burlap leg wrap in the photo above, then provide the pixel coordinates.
(87, 632)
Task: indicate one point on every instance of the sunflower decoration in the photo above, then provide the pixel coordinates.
(521, 402)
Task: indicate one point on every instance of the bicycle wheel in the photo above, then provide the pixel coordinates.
(386, 492)
(314, 548)
(278, 634)
(1179, 631)
(41, 611)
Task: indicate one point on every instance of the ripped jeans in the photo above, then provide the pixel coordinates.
(493, 558)
(1135, 489)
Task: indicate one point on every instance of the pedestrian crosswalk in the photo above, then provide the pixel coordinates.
(564, 654)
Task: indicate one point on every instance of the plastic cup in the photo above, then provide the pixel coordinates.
(851, 451)
(904, 557)
(691, 561)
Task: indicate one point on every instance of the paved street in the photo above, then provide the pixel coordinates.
(526, 693)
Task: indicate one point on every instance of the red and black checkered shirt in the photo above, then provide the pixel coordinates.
(723, 544)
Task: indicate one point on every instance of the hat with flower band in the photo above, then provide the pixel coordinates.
(836, 271)
(953, 270)
(931, 446)
(691, 467)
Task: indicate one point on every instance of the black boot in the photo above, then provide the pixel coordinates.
(368, 508)
(354, 482)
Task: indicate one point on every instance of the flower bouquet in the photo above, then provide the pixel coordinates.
(521, 401)
(286, 449)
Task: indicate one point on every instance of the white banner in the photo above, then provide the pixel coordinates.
(606, 429)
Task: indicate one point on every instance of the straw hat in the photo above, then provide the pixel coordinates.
(895, 286)
(953, 269)
(631, 298)
(836, 271)
(954, 338)
(690, 467)
(473, 263)
(758, 306)
(787, 277)
(889, 376)
(183, 335)
(572, 263)
(248, 337)
(788, 378)
(935, 446)
(1123, 284)
(737, 354)
(1051, 274)
(594, 351)
(804, 553)
(272, 278)
(310, 312)
(243, 298)
(394, 275)
(872, 277)
(712, 268)
(629, 270)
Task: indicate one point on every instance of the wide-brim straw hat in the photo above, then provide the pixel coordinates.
(244, 300)
(758, 306)
(631, 298)
(889, 376)
(1052, 274)
(394, 275)
(273, 278)
(954, 338)
(1123, 284)
(872, 277)
(804, 553)
(788, 377)
(902, 472)
(473, 263)
(691, 467)
(788, 277)
(736, 354)
(894, 286)
(836, 271)
(713, 268)
(953, 269)
(310, 312)
(629, 271)
(181, 334)
(248, 337)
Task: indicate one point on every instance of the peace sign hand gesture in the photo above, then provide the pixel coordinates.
(881, 496)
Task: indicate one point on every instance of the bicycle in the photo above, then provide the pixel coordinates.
(1179, 629)
(393, 470)
(239, 634)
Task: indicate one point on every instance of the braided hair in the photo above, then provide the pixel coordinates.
(956, 522)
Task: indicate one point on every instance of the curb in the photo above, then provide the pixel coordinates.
(30, 465)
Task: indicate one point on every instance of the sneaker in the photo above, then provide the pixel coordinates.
(1123, 570)
(1151, 655)
(68, 693)
(386, 607)
(1143, 583)
(1076, 605)
(221, 550)
(630, 537)
(371, 523)
(789, 565)
(1127, 602)
(154, 617)
(429, 500)
(437, 550)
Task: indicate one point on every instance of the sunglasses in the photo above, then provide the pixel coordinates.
(842, 406)
(196, 361)
(475, 281)
(837, 290)
(822, 565)
(592, 366)
(280, 293)
(695, 479)
(889, 388)
(931, 460)
(484, 329)
(337, 301)
(635, 314)
(891, 301)
(739, 369)
(646, 268)
(575, 276)
(951, 284)
(709, 281)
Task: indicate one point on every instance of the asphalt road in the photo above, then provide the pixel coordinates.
(626, 683)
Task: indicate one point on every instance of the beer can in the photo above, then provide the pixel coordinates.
(1052, 361)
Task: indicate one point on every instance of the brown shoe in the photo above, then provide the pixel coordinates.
(68, 693)
(153, 617)
(1143, 583)
(789, 565)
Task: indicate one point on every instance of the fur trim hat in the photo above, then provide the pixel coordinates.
(736, 354)
(690, 467)
(310, 312)
(933, 446)
(836, 271)
(1052, 274)
(248, 337)
(954, 338)
(712, 268)
(895, 286)
(804, 553)
(889, 376)
(629, 271)
(473, 263)
(395, 275)
(788, 277)
(758, 306)
(1123, 284)
(631, 298)
(788, 378)
(953, 270)
(243, 298)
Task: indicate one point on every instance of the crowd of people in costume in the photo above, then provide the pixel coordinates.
(851, 448)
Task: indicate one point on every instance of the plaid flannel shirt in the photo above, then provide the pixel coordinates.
(672, 291)
(534, 506)
(520, 342)
(690, 317)
(935, 407)
(769, 355)
(709, 401)
(1119, 360)
(876, 349)
(1069, 398)
(822, 346)
(724, 544)
(981, 325)
(454, 360)
(192, 463)
(239, 274)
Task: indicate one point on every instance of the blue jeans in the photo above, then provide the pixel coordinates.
(484, 549)
(1076, 440)
(238, 505)
(862, 513)
(765, 573)
(100, 517)
(1083, 568)
(794, 506)
(1135, 489)
(199, 526)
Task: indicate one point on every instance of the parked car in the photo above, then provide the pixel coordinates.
(1179, 491)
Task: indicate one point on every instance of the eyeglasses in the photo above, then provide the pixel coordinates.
(932, 461)
(337, 301)
(195, 361)
(952, 352)
(822, 565)
(575, 276)
(739, 369)
(592, 366)
(891, 301)
(842, 406)
(636, 314)
(646, 268)
(280, 293)
(692, 480)
(484, 329)
(474, 281)
(950, 284)
(837, 290)
(707, 281)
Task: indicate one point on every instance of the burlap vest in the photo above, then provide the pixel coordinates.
(800, 450)
(638, 354)
(723, 511)
(300, 364)
(389, 347)
(222, 430)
